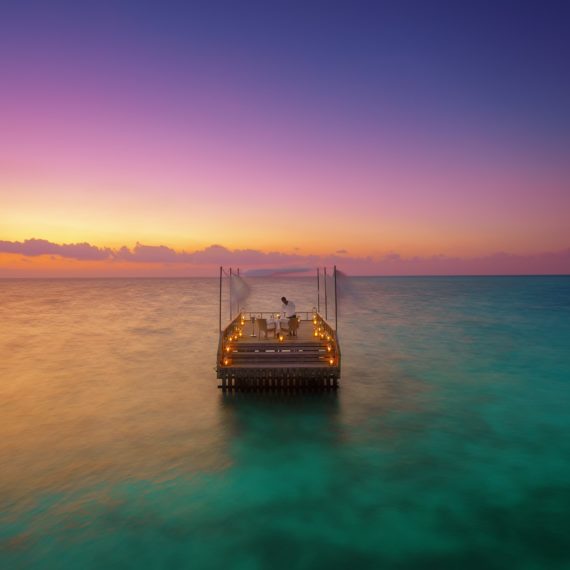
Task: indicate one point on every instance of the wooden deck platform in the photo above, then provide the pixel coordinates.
(304, 334)
(311, 359)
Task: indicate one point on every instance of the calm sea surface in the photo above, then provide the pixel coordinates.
(447, 445)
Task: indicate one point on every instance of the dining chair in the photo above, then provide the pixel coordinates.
(293, 326)
(262, 326)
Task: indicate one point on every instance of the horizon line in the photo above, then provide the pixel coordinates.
(174, 277)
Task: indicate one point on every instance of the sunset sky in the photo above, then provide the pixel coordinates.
(165, 138)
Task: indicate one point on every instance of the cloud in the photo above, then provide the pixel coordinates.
(257, 263)
(219, 255)
(494, 264)
(34, 247)
(151, 254)
(140, 253)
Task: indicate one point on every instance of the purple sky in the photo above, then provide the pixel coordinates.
(430, 131)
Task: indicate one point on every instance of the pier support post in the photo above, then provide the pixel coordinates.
(326, 300)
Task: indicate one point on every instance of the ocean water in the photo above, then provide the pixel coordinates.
(447, 445)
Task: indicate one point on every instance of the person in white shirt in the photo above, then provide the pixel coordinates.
(288, 308)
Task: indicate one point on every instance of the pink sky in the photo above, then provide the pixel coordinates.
(114, 134)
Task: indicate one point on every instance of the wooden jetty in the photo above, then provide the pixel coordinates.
(250, 359)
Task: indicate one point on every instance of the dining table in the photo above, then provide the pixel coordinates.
(279, 322)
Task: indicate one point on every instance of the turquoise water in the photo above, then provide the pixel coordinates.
(447, 445)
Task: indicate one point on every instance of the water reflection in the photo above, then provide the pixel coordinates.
(280, 416)
(118, 450)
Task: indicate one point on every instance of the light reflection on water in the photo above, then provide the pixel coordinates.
(446, 445)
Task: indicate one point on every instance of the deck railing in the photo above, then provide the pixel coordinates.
(322, 332)
(302, 315)
(325, 331)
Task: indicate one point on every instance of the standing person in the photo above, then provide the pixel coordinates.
(288, 308)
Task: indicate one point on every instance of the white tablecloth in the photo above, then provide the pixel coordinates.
(282, 322)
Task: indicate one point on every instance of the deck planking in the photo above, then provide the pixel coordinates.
(296, 361)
